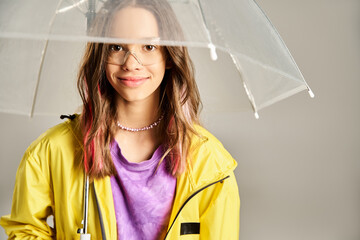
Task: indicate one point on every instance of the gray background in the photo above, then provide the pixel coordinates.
(299, 164)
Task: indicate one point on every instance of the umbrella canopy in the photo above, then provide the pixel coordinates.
(41, 43)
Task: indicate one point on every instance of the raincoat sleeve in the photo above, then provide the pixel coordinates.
(32, 199)
(222, 220)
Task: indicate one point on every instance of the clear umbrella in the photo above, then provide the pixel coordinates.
(41, 43)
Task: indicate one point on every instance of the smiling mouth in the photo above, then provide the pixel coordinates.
(133, 78)
(133, 82)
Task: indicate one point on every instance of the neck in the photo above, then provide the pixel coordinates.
(138, 114)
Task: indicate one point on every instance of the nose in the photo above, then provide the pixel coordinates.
(131, 61)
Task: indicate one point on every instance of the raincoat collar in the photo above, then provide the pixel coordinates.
(218, 164)
(208, 160)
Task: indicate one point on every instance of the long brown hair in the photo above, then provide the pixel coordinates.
(99, 110)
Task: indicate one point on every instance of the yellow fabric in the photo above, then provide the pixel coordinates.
(50, 181)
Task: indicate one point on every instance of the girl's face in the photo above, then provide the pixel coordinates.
(135, 70)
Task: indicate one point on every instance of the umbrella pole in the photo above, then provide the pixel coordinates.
(83, 231)
(90, 15)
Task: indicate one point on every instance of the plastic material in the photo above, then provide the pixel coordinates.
(42, 43)
(312, 95)
(213, 54)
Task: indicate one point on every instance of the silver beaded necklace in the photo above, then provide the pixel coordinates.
(154, 124)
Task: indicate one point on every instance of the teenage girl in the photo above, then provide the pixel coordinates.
(154, 172)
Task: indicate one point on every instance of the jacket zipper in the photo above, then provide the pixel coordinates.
(188, 199)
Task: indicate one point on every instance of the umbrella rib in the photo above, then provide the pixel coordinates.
(75, 5)
(247, 90)
(38, 78)
(42, 61)
(210, 45)
(287, 49)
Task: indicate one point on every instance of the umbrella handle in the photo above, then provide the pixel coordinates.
(85, 236)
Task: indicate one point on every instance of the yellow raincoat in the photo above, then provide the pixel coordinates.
(50, 181)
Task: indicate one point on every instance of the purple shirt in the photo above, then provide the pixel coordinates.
(143, 197)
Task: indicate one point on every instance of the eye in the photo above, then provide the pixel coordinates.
(116, 48)
(150, 48)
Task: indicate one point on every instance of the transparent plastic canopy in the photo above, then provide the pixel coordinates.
(42, 42)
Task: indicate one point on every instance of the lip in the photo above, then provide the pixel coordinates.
(132, 81)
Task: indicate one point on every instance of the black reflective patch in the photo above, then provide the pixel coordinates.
(190, 228)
